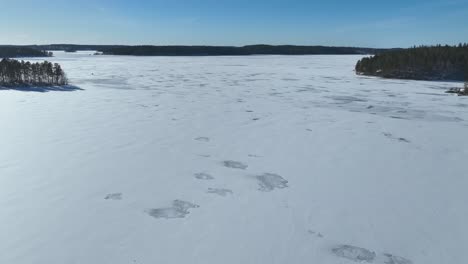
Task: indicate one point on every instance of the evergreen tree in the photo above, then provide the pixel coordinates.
(16, 73)
(422, 63)
(19, 51)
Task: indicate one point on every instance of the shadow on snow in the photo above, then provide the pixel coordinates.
(43, 89)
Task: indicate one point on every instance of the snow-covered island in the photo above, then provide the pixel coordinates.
(14, 73)
(449, 63)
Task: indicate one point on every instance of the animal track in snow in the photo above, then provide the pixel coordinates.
(114, 196)
(401, 139)
(270, 181)
(220, 192)
(179, 209)
(392, 259)
(203, 176)
(203, 139)
(235, 165)
(317, 234)
(358, 254)
(353, 253)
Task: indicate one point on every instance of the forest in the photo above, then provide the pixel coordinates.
(21, 73)
(76, 47)
(21, 51)
(419, 63)
(233, 51)
(149, 50)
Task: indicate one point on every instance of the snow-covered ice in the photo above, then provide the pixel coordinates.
(260, 159)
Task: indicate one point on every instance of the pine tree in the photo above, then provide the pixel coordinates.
(423, 62)
(13, 72)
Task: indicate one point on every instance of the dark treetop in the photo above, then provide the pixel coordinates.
(14, 73)
(20, 51)
(419, 63)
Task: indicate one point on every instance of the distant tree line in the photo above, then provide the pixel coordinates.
(21, 51)
(233, 51)
(419, 63)
(70, 49)
(75, 47)
(209, 50)
(18, 73)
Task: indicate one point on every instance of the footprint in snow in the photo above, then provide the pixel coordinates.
(203, 139)
(179, 209)
(401, 139)
(397, 117)
(317, 234)
(392, 259)
(113, 196)
(220, 192)
(269, 181)
(234, 165)
(203, 176)
(358, 254)
(353, 253)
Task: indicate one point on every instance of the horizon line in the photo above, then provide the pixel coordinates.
(208, 45)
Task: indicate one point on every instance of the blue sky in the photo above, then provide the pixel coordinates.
(375, 23)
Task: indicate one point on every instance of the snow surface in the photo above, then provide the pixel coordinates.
(260, 159)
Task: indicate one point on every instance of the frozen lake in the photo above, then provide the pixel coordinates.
(261, 159)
